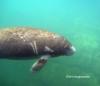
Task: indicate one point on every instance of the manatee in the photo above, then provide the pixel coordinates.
(23, 43)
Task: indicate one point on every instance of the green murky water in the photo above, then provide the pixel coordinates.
(77, 20)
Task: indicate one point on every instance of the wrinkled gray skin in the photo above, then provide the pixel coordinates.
(29, 43)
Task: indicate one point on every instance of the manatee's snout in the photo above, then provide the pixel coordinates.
(70, 50)
(73, 49)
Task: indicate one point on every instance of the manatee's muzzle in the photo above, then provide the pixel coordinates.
(73, 49)
(70, 50)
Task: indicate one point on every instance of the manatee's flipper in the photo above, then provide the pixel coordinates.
(39, 63)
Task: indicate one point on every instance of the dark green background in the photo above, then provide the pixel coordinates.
(77, 20)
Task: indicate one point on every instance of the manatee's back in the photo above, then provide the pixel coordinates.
(17, 42)
(13, 44)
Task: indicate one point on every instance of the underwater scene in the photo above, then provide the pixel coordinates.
(76, 20)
